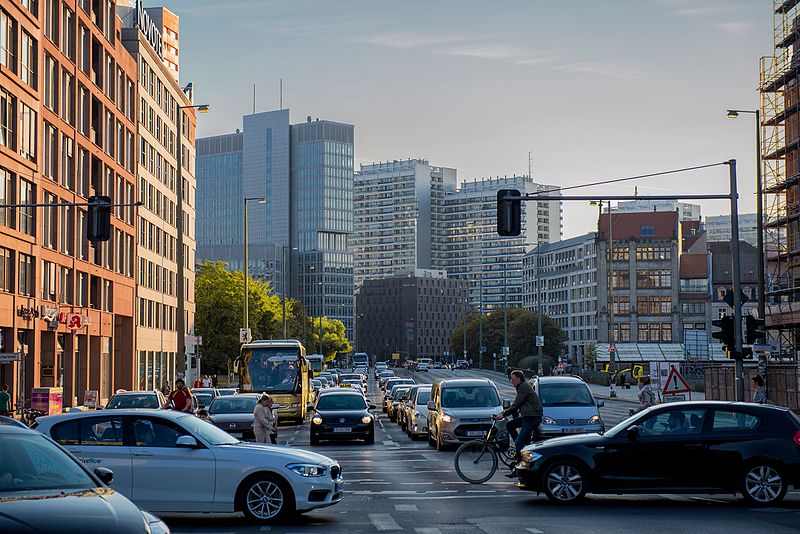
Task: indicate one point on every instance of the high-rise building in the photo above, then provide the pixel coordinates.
(718, 228)
(492, 264)
(299, 238)
(560, 279)
(686, 212)
(399, 217)
(162, 103)
(67, 129)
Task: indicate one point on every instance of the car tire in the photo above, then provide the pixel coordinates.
(564, 482)
(256, 494)
(370, 438)
(763, 484)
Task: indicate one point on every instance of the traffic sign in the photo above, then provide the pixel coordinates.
(675, 384)
(395, 355)
(673, 398)
(505, 351)
(540, 341)
(728, 298)
(245, 335)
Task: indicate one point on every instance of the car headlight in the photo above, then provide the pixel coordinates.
(156, 525)
(595, 420)
(530, 456)
(446, 418)
(548, 421)
(317, 420)
(366, 419)
(307, 470)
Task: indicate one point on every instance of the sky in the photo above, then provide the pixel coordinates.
(593, 89)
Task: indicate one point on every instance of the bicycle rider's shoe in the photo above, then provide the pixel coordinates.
(513, 473)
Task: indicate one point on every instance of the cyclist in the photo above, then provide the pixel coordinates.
(530, 413)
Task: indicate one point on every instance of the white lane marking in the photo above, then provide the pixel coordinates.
(406, 507)
(384, 522)
(265, 529)
(416, 483)
(427, 530)
(534, 530)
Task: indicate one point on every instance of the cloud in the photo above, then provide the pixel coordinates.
(736, 27)
(409, 40)
(617, 71)
(484, 51)
(703, 11)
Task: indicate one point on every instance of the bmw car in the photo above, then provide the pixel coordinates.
(342, 414)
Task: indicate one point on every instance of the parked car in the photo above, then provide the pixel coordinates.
(684, 447)
(137, 399)
(185, 464)
(569, 407)
(234, 414)
(417, 412)
(342, 414)
(394, 400)
(461, 409)
(48, 490)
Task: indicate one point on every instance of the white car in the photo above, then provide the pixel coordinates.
(168, 461)
(422, 366)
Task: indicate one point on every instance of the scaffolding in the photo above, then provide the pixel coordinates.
(780, 147)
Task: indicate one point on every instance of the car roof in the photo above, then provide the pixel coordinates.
(168, 414)
(342, 391)
(559, 379)
(463, 381)
(240, 395)
(720, 404)
(142, 392)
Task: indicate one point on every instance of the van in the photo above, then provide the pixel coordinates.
(569, 406)
(461, 409)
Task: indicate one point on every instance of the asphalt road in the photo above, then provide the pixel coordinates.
(399, 485)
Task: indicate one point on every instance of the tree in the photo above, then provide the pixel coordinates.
(333, 337)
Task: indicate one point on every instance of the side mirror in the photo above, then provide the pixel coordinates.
(104, 474)
(506, 404)
(633, 432)
(600, 403)
(187, 442)
(431, 406)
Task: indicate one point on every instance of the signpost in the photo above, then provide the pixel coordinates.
(540, 341)
(245, 335)
(675, 387)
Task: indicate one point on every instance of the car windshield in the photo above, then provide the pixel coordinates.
(387, 373)
(470, 397)
(145, 400)
(565, 395)
(31, 462)
(206, 431)
(423, 396)
(399, 392)
(233, 404)
(273, 369)
(341, 402)
(350, 376)
(204, 398)
(227, 391)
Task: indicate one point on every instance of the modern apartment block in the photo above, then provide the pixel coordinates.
(412, 314)
(492, 264)
(400, 222)
(67, 129)
(718, 228)
(560, 280)
(301, 233)
(162, 103)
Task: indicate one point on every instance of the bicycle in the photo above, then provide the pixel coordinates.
(476, 461)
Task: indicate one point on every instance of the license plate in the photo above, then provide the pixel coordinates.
(343, 429)
(236, 434)
(571, 430)
(474, 433)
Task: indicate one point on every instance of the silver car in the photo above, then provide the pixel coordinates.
(416, 419)
(461, 409)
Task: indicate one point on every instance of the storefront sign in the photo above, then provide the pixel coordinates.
(74, 321)
(90, 398)
(150, 30)
(27, 313)
(49, 313)
(7, 357)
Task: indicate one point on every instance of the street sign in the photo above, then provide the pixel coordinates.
(675, 384)
(728, 298)
(505, 351)
(612, 348)
(673, 398)
(540, 341)
(245, 335)
(762, 348)
(195, 341)
(7, 357)
(395, 355)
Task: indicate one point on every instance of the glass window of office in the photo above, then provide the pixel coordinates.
(8, 42)
(28, 59)
(27, 216)
(8, 130)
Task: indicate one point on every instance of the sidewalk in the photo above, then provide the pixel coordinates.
(629, 395)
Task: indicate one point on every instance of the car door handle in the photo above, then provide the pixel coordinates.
(142, 453)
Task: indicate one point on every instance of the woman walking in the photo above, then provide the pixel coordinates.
(265, 423)
(647, 397)
(759, 395)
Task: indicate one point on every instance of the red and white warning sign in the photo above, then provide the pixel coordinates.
(675, 384)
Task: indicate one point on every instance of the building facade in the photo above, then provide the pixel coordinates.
(718, 228)
(413, 315)
(493, 264)
(686, 212)
(67, 130)
(399, 222)
(161, 105)
(560, 281)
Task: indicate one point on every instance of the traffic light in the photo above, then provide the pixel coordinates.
(509, 213)
(755, 329)
(99, 224)
(725, 333)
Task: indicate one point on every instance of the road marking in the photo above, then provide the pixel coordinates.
(534, 530)
(427, 530)
(265, 529)
(406, 508)
(384, 522)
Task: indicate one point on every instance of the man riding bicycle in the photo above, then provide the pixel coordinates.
(530, 413)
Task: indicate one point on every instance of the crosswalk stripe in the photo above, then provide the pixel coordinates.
(384, 522)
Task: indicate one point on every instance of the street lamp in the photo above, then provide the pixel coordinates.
(732, 114)
(201, 108)
(246, 318)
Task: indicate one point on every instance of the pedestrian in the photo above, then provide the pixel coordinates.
(197, 382)
(181, 398)
(759, 395)
(165, 389)
(264, 421)
(646, 396)
(206, 381)
(5, 401)
(530, 411)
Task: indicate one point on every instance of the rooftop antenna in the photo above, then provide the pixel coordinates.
(530, 165)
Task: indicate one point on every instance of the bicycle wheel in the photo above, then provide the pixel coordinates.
(475, 462)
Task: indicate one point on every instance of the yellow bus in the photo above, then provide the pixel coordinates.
(317, 362)
(279, 368)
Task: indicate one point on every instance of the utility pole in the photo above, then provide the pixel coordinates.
(480, 321)
(505, 315)
(737, 284)
(610, 286)
(539, 307)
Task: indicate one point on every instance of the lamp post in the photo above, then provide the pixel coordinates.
(181, 319)
(246, 318)
(732, 114)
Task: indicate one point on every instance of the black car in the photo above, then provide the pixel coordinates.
(686, 447)
(43, 488)
(234, 414)
(342, 414)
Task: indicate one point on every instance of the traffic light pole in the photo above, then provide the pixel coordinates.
(737, 284)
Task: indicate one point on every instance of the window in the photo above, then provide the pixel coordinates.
(67, 162)
(90, 431)
(620, 253)
(85, 48)
(8, 42)
(647, 231)
(620, 279)
(658, 305)
(49, 222)
(8, 129)
(50, 167)
(622, 306)
(653, 253)
(66, 229)
(149, 432)
(694, 285)
(683, 422)
(28, 59)
(653, 278)
(68, 33)
(83, 173)
(622, 332)
(693, 308)
(6, 196)
(65, 284)
(26, 274)
(26, 223)
(27, 132)
(6, 270)
(727, 421)
(51, 19)
(67, 97)
(48, 280)
(32, 6)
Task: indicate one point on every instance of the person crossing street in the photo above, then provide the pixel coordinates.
(530, 409)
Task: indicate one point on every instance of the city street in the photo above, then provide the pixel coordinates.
(399, 485)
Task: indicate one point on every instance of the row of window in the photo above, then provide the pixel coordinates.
(156, 277)
(645, 279)
(17, 126)
(156, 315)
(155, 239)
(646, 305)
(643, 252)
(647, 332)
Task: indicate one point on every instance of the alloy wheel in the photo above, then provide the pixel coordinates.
(764, 484)
(265, 499)
(564, 483)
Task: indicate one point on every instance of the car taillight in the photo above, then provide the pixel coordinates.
(796, 438)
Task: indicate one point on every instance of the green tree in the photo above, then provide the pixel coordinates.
(334, 339)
